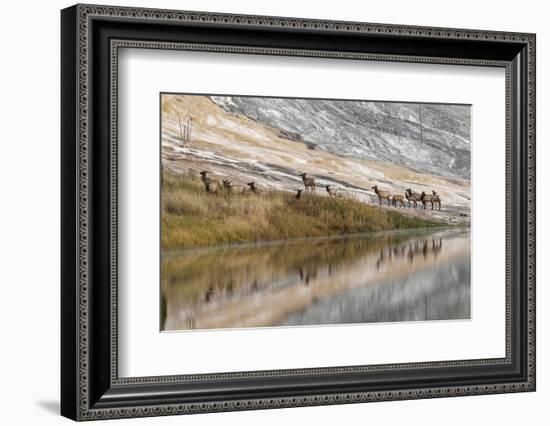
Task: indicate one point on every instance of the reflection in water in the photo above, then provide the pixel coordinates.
(439, 293)
(387, 277)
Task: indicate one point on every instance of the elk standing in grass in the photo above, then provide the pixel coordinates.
(254, 188)
(382, 195)
(437, 199)
(205, 176)
(233, 189)
(210, 185)
(309, 183)
(398, 199)
(299, 193)
(333, 192)
(427, 198)
(415, 197)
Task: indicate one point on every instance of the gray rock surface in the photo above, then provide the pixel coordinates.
(430, 138)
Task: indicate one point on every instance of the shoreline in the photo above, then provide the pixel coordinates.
(269, 243)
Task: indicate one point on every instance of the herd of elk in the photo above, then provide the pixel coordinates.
(410, 196)
(213, 186)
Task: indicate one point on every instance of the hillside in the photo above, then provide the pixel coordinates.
(232, 145)
(381, 131)
(192, 218)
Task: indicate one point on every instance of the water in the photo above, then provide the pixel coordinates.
(388, 277)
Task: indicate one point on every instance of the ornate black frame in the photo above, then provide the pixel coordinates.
(91, 37)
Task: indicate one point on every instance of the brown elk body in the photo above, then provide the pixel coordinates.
(254, 188)
(409, 199)
(415, 197)
(333, 192)
(210, 185)
(309, 182)
(427, 198)
(299, 193)
(382, 195)
(437, 199)
(234, 189)
(398, 199)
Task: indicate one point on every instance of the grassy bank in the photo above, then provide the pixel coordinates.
(191, 218)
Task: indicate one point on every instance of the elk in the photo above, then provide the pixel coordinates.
(382, 195)
(427, 198)
(437, 199)
(204, 175)
(398, 199)
(233, 189)
(299, 193)
(333, 192)
(210, 185)
(412, 196)
(409, 199)
(309, 183)
(254, 188)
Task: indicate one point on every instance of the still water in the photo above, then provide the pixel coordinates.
(386, 277)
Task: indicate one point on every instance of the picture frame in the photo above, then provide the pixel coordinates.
(91, 388)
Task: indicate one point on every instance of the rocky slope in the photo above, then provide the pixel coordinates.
(382, 131)
(234, 140)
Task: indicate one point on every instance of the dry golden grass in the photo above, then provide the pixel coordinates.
(191, 217)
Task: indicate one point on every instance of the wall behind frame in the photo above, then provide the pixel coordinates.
(30, 225)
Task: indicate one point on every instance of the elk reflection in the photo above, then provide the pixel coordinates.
(307, 274)
(233, 277)
(203, 286)
(425, 248)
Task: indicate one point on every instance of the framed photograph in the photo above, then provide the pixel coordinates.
(263, 212)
